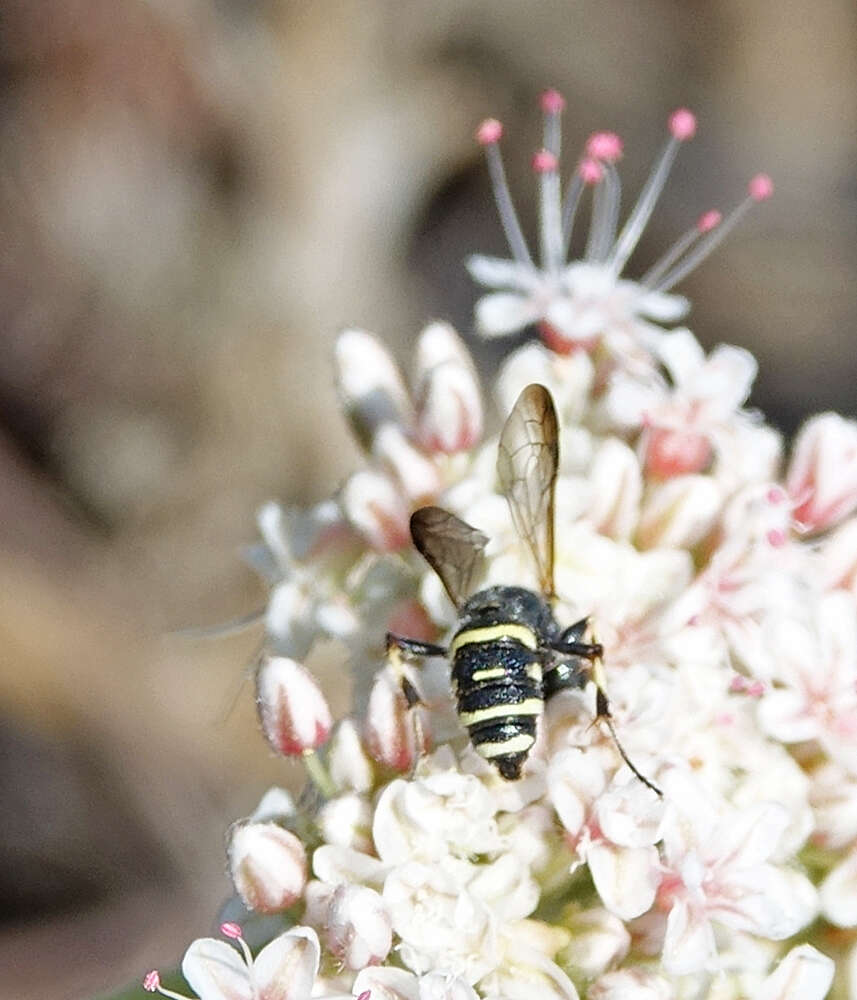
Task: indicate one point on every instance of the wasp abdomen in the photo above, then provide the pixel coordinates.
(498, 682)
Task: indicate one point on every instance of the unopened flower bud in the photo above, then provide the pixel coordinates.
(358, 930)
(804, 974)
(347, 762)
(390, 734)
(268, 866)
(293, 711)
(415, 472)
(599, 941)
(675, 452)
(347, 821)
(679, 512)
(617, 487)
(822, 475)
(370, 384)
(449, 406)
(625, 984)
(838, 553)
(376, 509)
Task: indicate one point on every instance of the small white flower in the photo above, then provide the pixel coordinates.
(822, 474)
(716, 870)
(804, 974)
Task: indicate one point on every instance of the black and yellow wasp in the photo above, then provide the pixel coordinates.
(509, 655)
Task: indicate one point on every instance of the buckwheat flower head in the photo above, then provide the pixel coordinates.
(697, 843)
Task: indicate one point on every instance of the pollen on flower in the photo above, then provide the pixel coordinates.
(552, 103)
(761, 187)
(490, 131)
(709, 220)
(590, 171)
(606, 146)
(544, 162)
(682, 124)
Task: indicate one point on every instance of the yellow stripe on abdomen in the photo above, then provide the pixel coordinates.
(530, 706)
(515, 744)
(490, 633)
(488, 674)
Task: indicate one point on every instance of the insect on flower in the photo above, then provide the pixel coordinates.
(509, 654)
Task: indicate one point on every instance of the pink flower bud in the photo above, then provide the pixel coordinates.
(822, 475)
(293, 711)
(416, 473)
(358, 930)
(376, 509)
(671, 452)
(268, 866)
(838, 554)
(370, 385)
(449, 406)
(347, 762)
(390, 735)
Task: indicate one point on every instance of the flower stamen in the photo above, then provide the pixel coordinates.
(488, 135)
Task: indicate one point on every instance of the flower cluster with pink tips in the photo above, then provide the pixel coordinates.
(718, 567)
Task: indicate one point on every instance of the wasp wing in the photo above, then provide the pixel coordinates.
(527, 464)
(451, 547)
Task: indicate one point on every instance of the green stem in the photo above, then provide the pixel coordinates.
(318, 774)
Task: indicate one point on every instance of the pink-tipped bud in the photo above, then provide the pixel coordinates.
(591, 171)
(760, 188)
(822, 474)
(390, 732)
(376, 508)
(268, 866)
(347, 762)
(292, 710)
(552, 102)
(544, 162)
(671, 452)
(370, 385)
(449, 404)
(415, 472)
(358, 929)
(152, 981)
(606, 146)
(708, 220)
(682, 124)
(231, 930)
(489, 132)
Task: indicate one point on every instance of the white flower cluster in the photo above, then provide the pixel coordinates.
(721, 580)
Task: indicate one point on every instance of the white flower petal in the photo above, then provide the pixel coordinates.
(804, 974)
(838, 893)
(216, 971)
(689, 941)
(386, 983)
(285, 969)
(661, 307)
(443, 986)
(503, 313)
(626, 878)
(497, 272)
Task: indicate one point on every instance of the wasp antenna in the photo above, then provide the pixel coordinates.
(609, 721)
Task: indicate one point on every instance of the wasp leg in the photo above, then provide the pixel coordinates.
(575, 632)
(588, 650)
(400, 648)
(413, 647)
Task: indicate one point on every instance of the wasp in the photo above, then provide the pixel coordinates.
(509, 654)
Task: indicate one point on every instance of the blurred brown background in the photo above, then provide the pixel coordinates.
(195, 195)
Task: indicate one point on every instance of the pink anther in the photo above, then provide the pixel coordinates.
(776, 537)
(775, 495)
(552, 103)
(606, 146)
(544, 162)
(708, 221)
(682, 124)
(152, 981)
(738, 684)
(489, 132)
(591, 171)
(231, 930)
(760, 188)
(365, 995)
